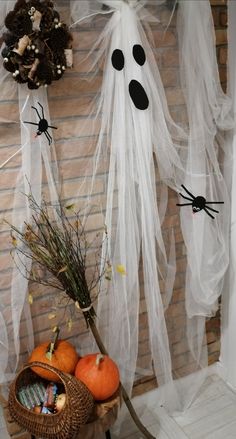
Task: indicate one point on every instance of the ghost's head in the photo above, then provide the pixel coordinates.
(136, 90)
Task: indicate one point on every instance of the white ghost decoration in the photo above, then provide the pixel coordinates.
(135, 127)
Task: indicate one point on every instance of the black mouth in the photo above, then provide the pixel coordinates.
(138, 95)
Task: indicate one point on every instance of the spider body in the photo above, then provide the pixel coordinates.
(198, 203)
(42, 124)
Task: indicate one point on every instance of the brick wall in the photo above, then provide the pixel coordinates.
(69, 101)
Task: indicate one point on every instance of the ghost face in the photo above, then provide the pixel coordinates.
(136, 90)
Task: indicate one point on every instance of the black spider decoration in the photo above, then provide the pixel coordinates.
(42, 125)
(199, 203)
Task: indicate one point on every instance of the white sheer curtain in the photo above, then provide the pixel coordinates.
(127, 139)
(139, 151)
(207, 241)
(34, 156)
(228, 339)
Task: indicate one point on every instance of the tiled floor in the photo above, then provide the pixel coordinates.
(211, 416)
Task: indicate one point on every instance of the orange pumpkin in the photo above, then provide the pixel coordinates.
(60, 354)
(100, 374)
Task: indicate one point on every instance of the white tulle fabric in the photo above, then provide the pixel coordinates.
(127, 140)
(209, 111)
(36, 157)
(128, 144)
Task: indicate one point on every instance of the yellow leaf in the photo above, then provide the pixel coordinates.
(77, 304)
(33, 274)
(77, 223)
(63, 269)
(69, 324)
(30, 299)
(13, 240)
(108, 272)
(28, 236)
(54, 329)
(51, 316)
(121, 269)
(70, 206)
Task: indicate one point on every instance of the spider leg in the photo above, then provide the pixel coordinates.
(186, 198)
(186, 190)
(49, 138)
(185, 204)
(37, 112)
(50, 126)
(213, 210)
(41, 109)
(208, 213)
(31, 123)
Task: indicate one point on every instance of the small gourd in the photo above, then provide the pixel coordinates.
(59, 354)
(100, 374)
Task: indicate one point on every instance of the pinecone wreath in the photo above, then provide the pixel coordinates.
(38, 46)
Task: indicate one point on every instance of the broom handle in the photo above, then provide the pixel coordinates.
(127, 401)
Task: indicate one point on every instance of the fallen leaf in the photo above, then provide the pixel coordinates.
(30, 299)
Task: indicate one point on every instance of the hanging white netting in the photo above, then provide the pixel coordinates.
(118, 149)
(23, 159)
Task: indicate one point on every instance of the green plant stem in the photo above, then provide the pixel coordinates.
(53, 345)
(127, 401)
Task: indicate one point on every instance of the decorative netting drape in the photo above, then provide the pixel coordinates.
(120, 155)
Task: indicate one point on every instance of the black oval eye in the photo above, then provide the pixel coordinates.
(139, 54)
(117, 59)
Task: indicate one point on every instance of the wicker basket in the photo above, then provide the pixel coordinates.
(62, 425)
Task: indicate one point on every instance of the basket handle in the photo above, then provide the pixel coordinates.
(46, 366)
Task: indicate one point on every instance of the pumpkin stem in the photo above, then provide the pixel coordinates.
(126, 398)
(53, 345)
(99, 359)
